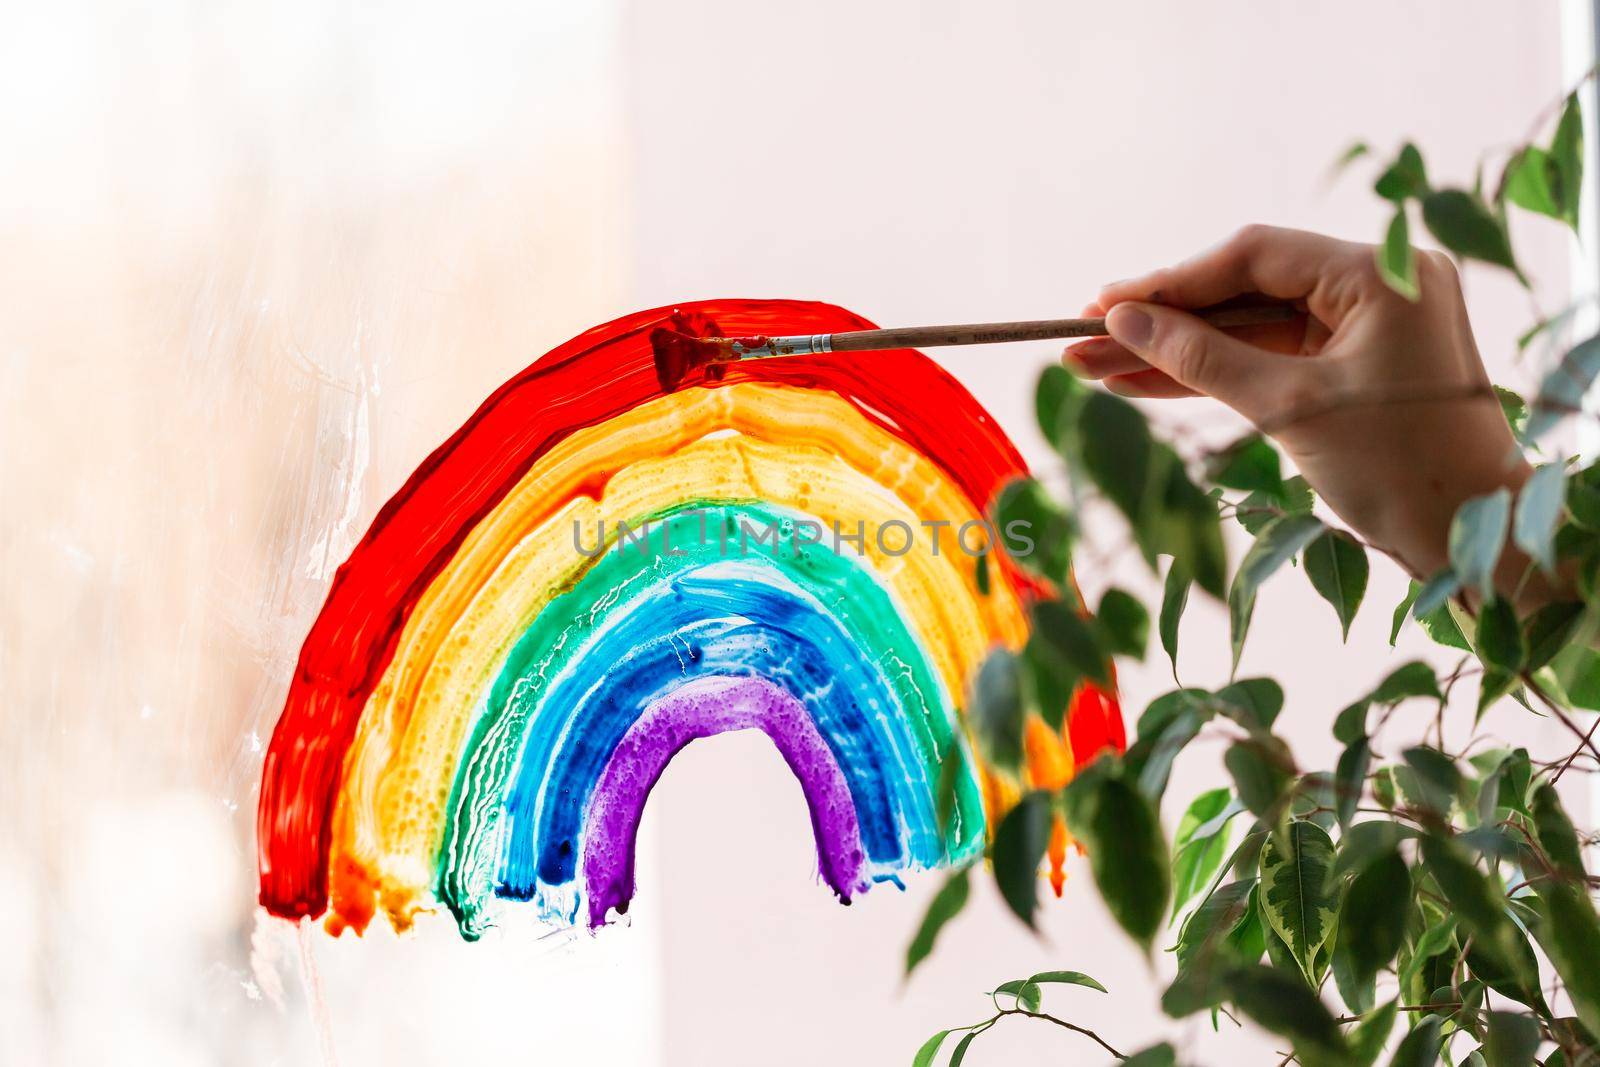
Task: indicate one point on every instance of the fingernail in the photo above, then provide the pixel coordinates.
(1131, 325)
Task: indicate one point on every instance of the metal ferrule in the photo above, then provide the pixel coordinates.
(799, 345)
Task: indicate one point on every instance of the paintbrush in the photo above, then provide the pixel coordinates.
(678, 354)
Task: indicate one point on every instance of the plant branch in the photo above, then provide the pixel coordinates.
(1585, 739)
(1074, 1027)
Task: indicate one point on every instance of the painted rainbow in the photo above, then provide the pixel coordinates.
(500, 673)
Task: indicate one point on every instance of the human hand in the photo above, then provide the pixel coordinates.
(1383, 404)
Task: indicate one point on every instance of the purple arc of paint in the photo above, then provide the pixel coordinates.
(702, 708)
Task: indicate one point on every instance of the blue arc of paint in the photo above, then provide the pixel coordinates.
(708, 630)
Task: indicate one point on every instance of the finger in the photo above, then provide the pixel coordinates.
(1147, 385)
(1206, 360)
(1280, 263)
(1101, 358)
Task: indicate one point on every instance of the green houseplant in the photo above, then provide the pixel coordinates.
(1434, 886)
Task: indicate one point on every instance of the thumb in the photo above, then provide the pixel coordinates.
(1198, 355)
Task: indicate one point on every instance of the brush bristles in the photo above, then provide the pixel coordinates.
(677, 355)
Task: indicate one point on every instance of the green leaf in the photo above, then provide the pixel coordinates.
(1414, 679)
(1124, 623)
(1313, 799)
(1577, 667)
(1054, 396)
(953, 770)
(1494, 684)
(1401, 611)
(1260, 771)
(1026, 993)
(1539, 508)
(1567, 149)
(1583, 502)
(1260, 508)
(1150, 759)
(1337, 566)
(1117, 450)
(1433, 595)
(1247, 941)
(1556, 833)
(1527, 182)
(1463, 223)
(1050, 680)
(1570, 935)
(1437, 778)
(1372, 923)
(1253, 703)
(1549, 630)
(1246, 859)
(1127, 851)
(1518, 979)
(1397, 261)
(1477, 902)
(1500, 640)
(1174, 598)
(1182, 522)
(1200, 818)
(1161, 1055)
(1168, 707)
(1297, 896)
(1441, 626)
(1512, 1039)
(1383, 788)
(1562, 388)
(1038, 534)
(960, 1054)
(1477, 534)
(1278, 543)
(1368, 1038)
(1358, 995)
(1280, 1002)
(1200, 844)
(1366, 843)
(980, 574)
(1205, 933)
(1566, 152)
(1510, 778)
(929, 1049)
(1019, 845)
(1350, 725)
(1514, 408)
(1420, 1047)
(996, 711)
(1066, 978)
(1405, 178)
(1438, 938)
(1349, 778)
(946, 905)
(1576, 1039)
(1250, 464)
(1066, 636)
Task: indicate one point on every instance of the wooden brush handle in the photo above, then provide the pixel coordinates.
(985, 333)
